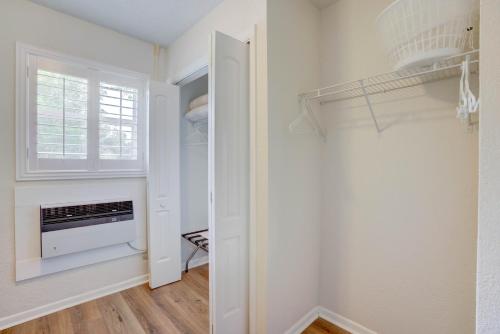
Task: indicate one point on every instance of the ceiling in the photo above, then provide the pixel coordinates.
(155, 21)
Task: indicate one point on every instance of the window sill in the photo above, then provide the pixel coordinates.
(43, 176)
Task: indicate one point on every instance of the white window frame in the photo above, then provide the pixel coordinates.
(26, 158)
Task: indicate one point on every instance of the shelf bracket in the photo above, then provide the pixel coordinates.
(370, 107)
(311, 117)
(308, 115)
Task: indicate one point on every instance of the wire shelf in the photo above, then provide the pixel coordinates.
(383, 83)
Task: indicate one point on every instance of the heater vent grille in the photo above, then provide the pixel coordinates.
(64, 217)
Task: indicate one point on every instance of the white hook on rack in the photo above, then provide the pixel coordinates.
(308, 115)
(468, 103)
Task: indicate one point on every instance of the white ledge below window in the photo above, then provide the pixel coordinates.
(75, 175)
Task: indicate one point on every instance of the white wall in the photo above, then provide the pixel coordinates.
(294, 164)
(190, 51)
(488, 273)
(24, 21)
(194, 171)
(398, 234)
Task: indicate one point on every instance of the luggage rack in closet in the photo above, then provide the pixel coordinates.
(387, 82)
(200, 240)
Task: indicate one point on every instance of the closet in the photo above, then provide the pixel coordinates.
(372, 172)
(199, 152)
(193, 122)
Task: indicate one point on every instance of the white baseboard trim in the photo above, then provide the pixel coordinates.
(304, 322)
(41, 311)
(343, 322)
(334, 318)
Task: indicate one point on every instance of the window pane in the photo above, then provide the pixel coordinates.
(117, 122)
(61, 116)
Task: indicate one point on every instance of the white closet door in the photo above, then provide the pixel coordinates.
(229, 184)
(163, 185)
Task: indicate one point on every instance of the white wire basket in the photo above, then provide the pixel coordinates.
(417, 33)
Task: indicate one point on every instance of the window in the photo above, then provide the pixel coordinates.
(61, 116)
(117, 122)
(77, 119)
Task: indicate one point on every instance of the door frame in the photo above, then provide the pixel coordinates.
(259, 151)
(258, 167)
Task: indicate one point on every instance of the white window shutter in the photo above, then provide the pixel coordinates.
(61, 116)
(78, 119)
(118, 122)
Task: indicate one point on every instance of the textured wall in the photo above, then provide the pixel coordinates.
(191, 51)
(399, 223)
(26, 22)
(294, 165)
(488, 273)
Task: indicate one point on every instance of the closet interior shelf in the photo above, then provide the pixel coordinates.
(382, 83)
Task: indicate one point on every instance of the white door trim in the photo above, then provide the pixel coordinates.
(258, 181)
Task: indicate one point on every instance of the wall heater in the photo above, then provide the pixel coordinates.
(76, 228)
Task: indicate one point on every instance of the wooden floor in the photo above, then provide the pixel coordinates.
(181, 307)
(321, 326)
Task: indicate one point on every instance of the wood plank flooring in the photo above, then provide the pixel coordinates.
(321, 326)
(181, 307)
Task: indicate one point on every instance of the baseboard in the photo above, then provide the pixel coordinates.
(41, 311)
(304, 322)
(343, 322)
(334, 318)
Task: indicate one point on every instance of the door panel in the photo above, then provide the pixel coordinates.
(229, 183)
(163, 185)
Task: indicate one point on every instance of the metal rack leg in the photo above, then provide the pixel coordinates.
(190, 257)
